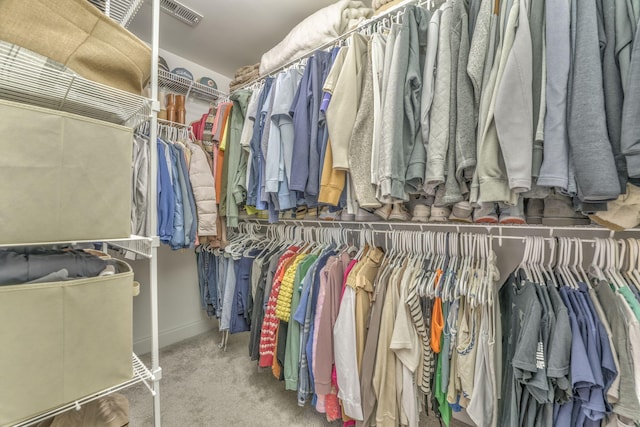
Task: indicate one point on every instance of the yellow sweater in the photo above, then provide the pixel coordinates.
(283, 304)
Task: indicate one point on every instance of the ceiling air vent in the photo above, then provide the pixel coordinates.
(181, 12)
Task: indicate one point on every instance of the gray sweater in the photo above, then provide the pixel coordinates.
(596, 175)
(361, 143)
(630, 143)
(613, 95)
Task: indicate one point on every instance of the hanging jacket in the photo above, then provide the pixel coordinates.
(188, 208)
(440, 107)
(490, 182)
(630, 143)
(166, 196)
(554, 171)
(204, 191)
(591, 154)
(429, 74)
(613, 94)
(233, 154)
(342, 111)
(361, 144)
(514, 105)
(140, 187)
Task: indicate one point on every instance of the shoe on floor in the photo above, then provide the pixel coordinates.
(440, 213)
(461, 212)
(301, 212)
(621, 213)
(512, 214)
(486, 213)
(364, 215)
(384, 212)
(326, 215)
(534, 211)
(559, 211)
(312, 213)
(421, 213)
(399, 213)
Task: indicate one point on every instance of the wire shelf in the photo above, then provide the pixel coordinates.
(121, 11)
(138, 244)
(30, 78)
(182, 85)
(140, 375)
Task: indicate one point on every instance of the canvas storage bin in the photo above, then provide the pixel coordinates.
(62, 341)
(62, 177)
(76, 34)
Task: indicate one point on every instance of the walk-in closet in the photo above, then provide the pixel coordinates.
(320, 213)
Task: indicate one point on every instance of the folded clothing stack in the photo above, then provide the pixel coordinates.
(317, 29)
(244, 75)
(380, 6)
(41, 266)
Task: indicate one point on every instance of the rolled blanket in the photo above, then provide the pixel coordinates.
(316, 30)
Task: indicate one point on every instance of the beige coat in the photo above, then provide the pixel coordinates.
(204, 191)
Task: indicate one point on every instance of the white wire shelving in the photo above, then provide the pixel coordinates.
(121, 11)
(141, 374)
(178, 84)
(137, 244)
(30, 78)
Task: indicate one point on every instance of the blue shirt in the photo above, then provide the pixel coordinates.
(256, 151)
(166, 203)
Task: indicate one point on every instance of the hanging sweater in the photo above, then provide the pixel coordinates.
(440, 107)
(591, 153)
(270, 321)
(361, 144)
(283, 304)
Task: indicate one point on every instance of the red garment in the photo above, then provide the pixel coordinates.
(271, 322)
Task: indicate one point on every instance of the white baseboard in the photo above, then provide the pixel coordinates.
(174, 335)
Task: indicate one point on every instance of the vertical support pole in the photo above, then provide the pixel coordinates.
(153, 263)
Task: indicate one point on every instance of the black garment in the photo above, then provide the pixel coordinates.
(17, 268)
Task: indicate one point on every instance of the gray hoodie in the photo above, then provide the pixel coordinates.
(613, 94)
(591, 154)
(630, 143)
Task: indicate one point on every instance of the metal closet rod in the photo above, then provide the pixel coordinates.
(498, 237)
(368, 226)
(338, 39)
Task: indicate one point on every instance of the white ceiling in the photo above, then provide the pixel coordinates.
(233, 33)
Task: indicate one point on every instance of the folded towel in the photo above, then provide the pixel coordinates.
(315, 30)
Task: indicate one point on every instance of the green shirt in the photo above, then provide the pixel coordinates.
(292, 352)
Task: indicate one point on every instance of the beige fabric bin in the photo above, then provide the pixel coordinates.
(78, 35)
(62, 176)
(62, 341)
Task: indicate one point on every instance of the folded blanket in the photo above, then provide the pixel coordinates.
(380, 6)
(316, 30)
(247, 69)
(244, 78)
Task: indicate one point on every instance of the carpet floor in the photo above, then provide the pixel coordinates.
(202, 385)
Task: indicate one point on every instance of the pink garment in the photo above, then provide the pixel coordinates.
(324, 356)
(324, 280)
(346, 274)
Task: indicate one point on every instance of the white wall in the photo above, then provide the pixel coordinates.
(179, 313)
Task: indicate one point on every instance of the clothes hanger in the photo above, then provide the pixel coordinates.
(560, 265)
(635, 260)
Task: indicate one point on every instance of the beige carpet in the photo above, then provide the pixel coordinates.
(204, 386)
